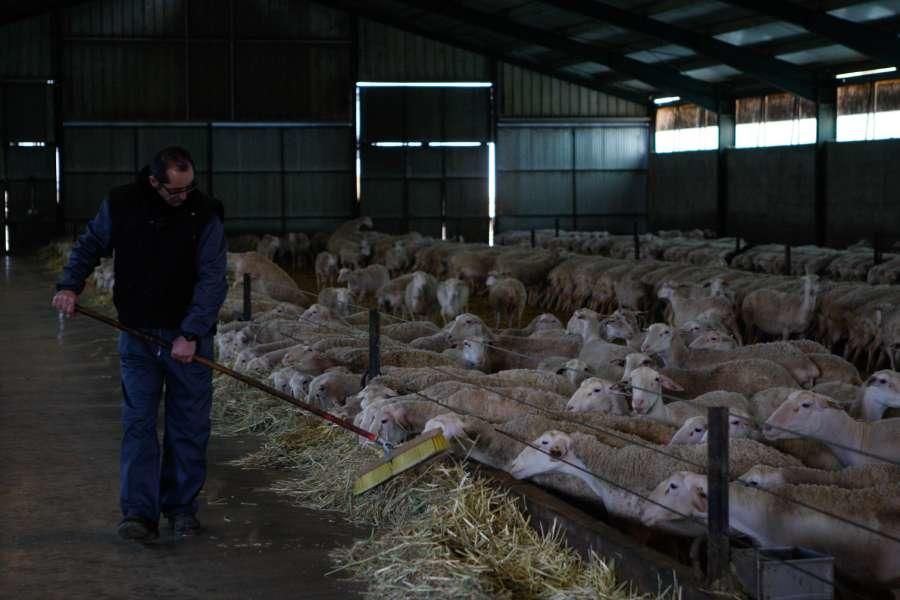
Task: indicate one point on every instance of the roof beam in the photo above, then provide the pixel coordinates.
(369, 11)
(776, 72)
(660, 77)
(12, 11)
(872, 42)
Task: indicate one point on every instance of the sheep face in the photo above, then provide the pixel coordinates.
(584, 322)
(713, 340)
(884, 387)
(619, 327)
(633, 361)
(389, 422)
(692, 432)
(683, 495)
(474, 354)
(646, 389)
(596, 394)
(466, 326)
(763, 476)
(316, 314)
(299, 385)
(691, 330)
(666, 291)
(658, 340)
(575, 371)
(555, 446)
(801, 413)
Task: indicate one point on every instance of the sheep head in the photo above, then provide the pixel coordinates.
(763, 476)
(595, 394)
(884, 387)
(713, 340)
(450, 424)
(693, 431)
(466, 326)
(647, 385)
(659, 339)
(543, 455)
(474, 354)
(633, 361)
(575, 371)
(621, 326)
(584, 322)
(801, 413)
(682, 495)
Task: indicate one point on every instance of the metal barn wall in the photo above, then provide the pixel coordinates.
(206, 60)
(683, 190)
(587, 175)
(27, 174)
(771, 194)
(528, 94)
(863, 179)
(270, 178)
(389, 54)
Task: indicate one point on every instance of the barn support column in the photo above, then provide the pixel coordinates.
(826, 131)
(726, 142)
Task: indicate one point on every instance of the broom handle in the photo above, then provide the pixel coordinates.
(231, 373)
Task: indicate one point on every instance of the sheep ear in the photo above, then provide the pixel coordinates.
(669, 384)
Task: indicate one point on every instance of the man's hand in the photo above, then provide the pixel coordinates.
(64, 301)
(183, 350)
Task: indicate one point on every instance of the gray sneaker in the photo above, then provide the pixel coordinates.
(186, 525)
(138, 529)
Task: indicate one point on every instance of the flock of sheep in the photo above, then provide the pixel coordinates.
(609, 407)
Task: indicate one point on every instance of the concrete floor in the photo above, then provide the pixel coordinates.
(59, 438)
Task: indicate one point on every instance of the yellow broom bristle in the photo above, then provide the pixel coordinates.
(426, 447)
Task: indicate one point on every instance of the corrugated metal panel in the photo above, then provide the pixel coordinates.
(291, 81)
(388, 54)
(126, 18)
(319, 194)
(611, 147)
(318, 149)
(425, 162)
(522, 148)
(523, 193)
(382, 162)
(151, 140)
(424, 117)
(467, 162)
(249, 194)
(862, 181)
(382, 114)
(425, 199)
(683, 190)
(111, 81)
(532, 95)
(290, 19)
(31, 162)
(770, 194)
(29, 115)
(209, 81)
(246, 149)
(382, 198)
(601, 192)
(25, 49)
(84, 192)
(89, 150)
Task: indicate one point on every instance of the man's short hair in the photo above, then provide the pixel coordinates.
(171, 157)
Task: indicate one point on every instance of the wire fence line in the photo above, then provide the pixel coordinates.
(557, 416)
(354, 331)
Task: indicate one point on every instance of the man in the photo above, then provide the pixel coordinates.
(170, 260)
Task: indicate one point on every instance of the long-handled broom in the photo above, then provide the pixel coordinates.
(417, 451)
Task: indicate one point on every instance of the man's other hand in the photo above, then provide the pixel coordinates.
(64, 301)
(183, 350)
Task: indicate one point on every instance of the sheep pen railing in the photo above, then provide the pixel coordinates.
(716, 523)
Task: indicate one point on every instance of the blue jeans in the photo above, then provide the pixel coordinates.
(149, 486)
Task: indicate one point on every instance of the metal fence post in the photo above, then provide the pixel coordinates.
(532, 239)
(637, 243)
(557, 226)
(787, 259)
(374, 369)
(718, 548)
(247, 309)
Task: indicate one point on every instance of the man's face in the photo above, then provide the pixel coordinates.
(176, 189)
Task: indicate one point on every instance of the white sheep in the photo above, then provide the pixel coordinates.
(420, 295)
(780, 314)
(807, 414)
(773, 520)
(507, 297)
(339, 300)
(331, 389)
(453, 297)
(862, 476)
(880, 392)
(601, 395)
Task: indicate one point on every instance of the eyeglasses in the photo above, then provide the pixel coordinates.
(175, 191)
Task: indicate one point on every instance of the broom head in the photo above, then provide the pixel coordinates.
(417, 451)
